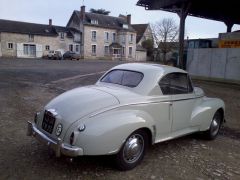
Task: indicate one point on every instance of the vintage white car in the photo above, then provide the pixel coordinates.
(130, 107)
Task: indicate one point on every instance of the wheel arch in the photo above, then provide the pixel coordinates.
(113, 130)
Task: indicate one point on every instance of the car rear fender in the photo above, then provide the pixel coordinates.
(105, 133)
(203, 113)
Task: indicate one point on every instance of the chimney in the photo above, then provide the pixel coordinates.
(50, 22)
(129, 18)
(82, 13)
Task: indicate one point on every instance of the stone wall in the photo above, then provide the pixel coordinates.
(100, 42)
(223, 63)
(141, 56)
(53, 41)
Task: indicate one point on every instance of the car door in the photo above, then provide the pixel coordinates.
(183, 100)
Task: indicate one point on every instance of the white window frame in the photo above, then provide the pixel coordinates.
(94, 39)
(8, 45)
(77, 48)
(70, 45)
(125, 26)
(130, 54)
(123, 50)
(123, 38)
(62, 35)
(47, 49)
(106, 53)
(94, 21)
(106, 36)
(94, 53)
(131, 37)
(113, 37)
(31, 38)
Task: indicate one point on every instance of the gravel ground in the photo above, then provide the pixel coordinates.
(27, 85)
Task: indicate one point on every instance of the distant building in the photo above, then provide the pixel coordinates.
(103, 36)
(144, 32)
(229, 40)
(30, 40)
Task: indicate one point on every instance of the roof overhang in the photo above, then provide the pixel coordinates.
(210, 9)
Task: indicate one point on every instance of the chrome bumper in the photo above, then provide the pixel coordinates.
(57, 146)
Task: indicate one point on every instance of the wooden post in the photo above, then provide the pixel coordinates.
(182, 14)
(229, 26)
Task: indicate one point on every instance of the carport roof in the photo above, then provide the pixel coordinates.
(224, 11)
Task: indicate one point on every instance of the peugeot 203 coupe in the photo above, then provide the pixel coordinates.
(130, 107)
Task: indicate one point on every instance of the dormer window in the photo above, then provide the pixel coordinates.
(30, 38)
(125, 26)
(94, 21)
(62, 35)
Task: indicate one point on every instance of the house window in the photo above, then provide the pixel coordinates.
(10, 45)
(62, 35)
(106, 50)
(31, 37)
(94, 21)
(77, 48)
(131, 38)
(123, 50)
(70, 47)
(47, 47)
(114, 37)
(116, 51)
(130, 51)
(123, 39)
(94, 35)
(29, 50)
(106, 37)
(125, 26)
(94, 49)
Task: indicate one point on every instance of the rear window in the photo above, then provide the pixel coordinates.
(123, 77)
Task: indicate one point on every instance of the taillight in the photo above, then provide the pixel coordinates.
(72, 138)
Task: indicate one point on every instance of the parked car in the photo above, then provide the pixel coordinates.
(130, 107)
(71, 55)
(55, 55)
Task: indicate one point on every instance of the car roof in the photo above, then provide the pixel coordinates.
(152, 74)
(156, 69)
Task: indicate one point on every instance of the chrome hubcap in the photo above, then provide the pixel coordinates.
(133, 148)
(215, 126)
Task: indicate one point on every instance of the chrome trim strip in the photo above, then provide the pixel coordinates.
(141, 103)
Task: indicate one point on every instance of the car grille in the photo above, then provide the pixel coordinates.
(48, 122)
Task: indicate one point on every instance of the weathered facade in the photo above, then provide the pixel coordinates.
(29, 40)
(103, 36)
(144, 32)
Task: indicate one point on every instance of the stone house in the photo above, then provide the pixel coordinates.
(144, 32)
(30, 40)
(103, 36)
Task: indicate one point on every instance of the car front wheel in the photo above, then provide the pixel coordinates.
(132, 151)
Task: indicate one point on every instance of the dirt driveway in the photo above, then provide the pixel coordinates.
(27, 85)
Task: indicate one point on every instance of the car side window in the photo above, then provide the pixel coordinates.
(175, 83)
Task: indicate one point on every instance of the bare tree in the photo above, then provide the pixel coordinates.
(165, 33)
(99, 11)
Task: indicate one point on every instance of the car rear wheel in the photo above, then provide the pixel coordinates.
(215, 126)
(132, 151)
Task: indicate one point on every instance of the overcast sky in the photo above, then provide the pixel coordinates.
(39, 11)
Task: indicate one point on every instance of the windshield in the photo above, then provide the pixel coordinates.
(123, 77)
